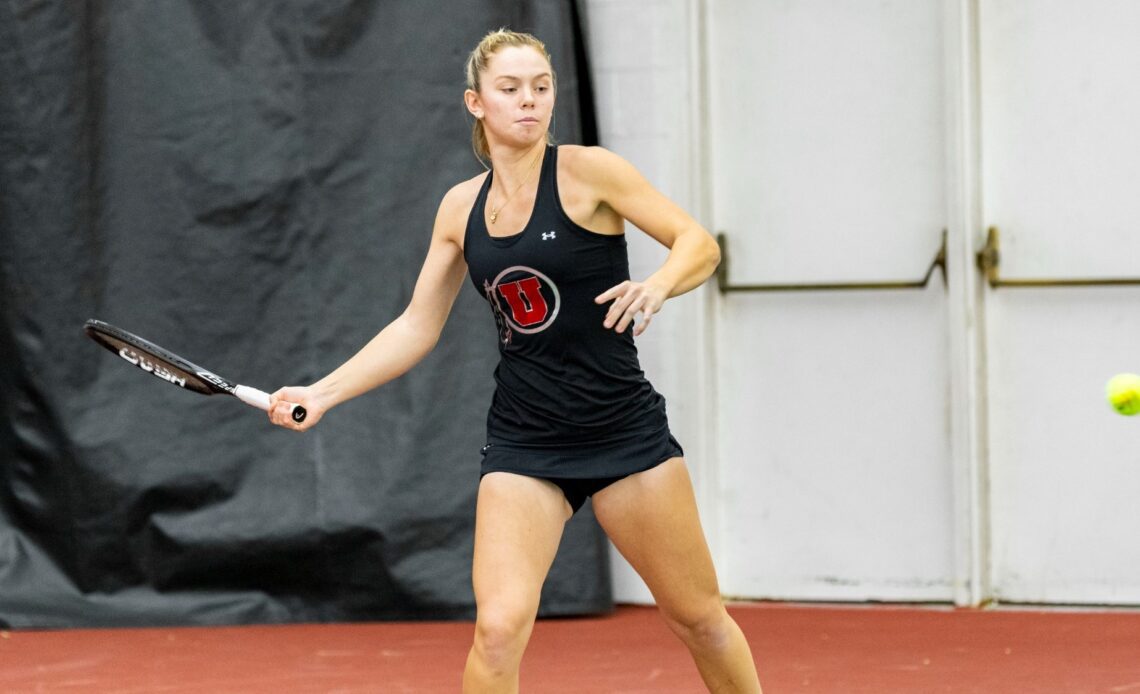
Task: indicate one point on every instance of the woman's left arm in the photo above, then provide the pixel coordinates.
(693, 252)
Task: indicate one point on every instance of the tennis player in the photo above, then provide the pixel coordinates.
(541, 236)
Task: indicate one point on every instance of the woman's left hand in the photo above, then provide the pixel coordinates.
(629, 299)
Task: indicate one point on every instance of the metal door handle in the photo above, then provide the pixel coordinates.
(725, 286)
(989, 262)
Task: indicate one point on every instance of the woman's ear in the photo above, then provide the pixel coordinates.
(471, 99)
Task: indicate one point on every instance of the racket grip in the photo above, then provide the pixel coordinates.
(260, 399)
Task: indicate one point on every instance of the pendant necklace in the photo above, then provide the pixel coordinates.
(495, 209)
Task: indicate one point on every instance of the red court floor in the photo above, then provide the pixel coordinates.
(832, 649)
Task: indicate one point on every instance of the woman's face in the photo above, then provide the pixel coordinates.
(516, 96)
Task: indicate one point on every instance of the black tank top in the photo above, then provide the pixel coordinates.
(563, 379)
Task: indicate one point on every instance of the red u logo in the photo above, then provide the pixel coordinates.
(525, 299)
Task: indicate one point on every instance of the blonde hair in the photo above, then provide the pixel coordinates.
(477, 64)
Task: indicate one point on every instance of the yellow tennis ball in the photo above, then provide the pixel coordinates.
(1123, 391)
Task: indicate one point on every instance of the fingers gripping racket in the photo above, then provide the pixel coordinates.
(174, 369)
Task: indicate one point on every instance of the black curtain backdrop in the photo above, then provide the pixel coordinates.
(253, 186)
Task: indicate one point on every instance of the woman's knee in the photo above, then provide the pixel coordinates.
(706, 627)
(501, 636)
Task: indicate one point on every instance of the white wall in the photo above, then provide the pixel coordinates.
(948, 444)
(642, 54)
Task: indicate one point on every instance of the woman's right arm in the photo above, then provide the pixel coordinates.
(407, 339)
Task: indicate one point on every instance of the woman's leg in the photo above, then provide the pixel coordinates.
(651, 517)
(518, 525)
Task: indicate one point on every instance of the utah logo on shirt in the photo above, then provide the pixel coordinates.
(523, 300)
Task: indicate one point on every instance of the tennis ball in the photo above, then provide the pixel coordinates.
(1123, 391)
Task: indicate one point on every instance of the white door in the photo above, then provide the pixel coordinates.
(1061, 180)
(845, 469)
(826, 126)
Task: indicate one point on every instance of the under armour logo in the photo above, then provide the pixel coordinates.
(548, 235)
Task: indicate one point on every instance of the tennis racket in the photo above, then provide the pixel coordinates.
(174, 369)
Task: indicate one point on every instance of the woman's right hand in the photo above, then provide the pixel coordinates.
(281, 406)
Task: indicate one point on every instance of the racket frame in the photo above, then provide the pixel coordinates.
(168, 366)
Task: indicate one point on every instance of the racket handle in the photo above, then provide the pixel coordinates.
(260, 399)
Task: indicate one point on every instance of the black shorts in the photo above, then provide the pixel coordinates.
(577, 491)
(580, 472)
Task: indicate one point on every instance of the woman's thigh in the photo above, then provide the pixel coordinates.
(651, 517)
(518, 525)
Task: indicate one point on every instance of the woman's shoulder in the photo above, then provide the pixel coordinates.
(584, 159)
(591, 164)
(461, 196)
(454, 208)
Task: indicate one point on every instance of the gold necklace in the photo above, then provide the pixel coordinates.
(496, 209)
